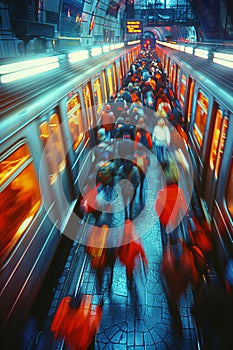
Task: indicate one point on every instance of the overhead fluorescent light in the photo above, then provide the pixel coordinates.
(17, 66)
(95, 51)
(7, 78)
(201, 53)
(78, 56)
(224, 63)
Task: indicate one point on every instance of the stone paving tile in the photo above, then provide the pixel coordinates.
(139, 318)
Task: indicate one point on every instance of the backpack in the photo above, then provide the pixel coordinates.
(126, 135)
(105, 173)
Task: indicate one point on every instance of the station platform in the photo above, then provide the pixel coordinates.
(136, 316)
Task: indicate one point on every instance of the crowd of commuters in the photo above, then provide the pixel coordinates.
(140, 119)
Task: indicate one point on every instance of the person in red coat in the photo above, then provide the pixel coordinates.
(179, 271)
(131, 250)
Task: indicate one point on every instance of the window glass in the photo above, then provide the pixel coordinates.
(20, 194)
(55, 130)
(98, 95)
(123, 66)
(88, 105)
(221, 145)
(174, 77)
(110, 81)
(114, 77)
(119, 74)
(105, 87)
(74, 117)
(177, 82)
(183, 85)
(200, 117)
(215, 138)
(229, 191)
(190, 103)
(48, 151)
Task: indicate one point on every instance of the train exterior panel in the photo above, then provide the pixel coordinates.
(204, 92)
(46, 127)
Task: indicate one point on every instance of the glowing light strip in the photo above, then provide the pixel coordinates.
(106, 48)
(78, 56)
(133, 42)
(225, 63)
(201, 53)
(189, 50)
(223, 56)
(95, 51)
(7, 78)
(18, 66)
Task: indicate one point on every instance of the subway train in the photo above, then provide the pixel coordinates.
(47, 124)
(148, 41)
(204, 93)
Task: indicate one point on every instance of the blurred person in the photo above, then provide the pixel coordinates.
(129, 173)
(213, 311)
(142, 161)
(143, 137)
(179, 270)
(170, 204)
(108, 120)
(161, 137)
(131, 250)
(77, 325)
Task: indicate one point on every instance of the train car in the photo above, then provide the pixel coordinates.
(148, 41)
(204, 92)
(46, 129)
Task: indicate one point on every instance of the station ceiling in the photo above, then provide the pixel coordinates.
(214, 18)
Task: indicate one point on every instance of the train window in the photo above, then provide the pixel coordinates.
(174, 76)
(183, 85)
(98, 95)
(177, 82)
(114, 77)
(123, 66)
(119, 73)
(200, 117)
(110, 81)
(88, 104)
(222, 140)
(74, 117)
(20, 194)
(48, 151)
(215, 138)
(105, 87)
(54, 125)
(229, 191)
(190, 101)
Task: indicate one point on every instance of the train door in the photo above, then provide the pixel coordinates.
(110, 81)
(122, 62)
(91, 118)
(214, 157)
(188, 104)
(88, 101)
(54, 156)
(104, 84)
(115, 83)
(119, 75)
(197, 132)
(182, 90)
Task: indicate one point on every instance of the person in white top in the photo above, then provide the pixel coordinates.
(161, 138)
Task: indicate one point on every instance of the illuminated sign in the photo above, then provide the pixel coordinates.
(134, 26)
